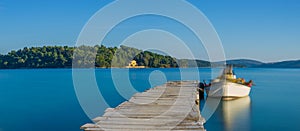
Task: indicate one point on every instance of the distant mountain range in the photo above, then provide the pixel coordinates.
(257, 64)
(244, 63)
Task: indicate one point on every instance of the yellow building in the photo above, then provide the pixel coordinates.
(133, 64)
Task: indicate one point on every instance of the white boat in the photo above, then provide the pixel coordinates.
(228, 86)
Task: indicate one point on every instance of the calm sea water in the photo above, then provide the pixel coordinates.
(45, 99)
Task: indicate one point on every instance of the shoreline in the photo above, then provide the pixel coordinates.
(141, 68)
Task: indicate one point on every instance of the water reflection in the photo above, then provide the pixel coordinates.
(236, 112)
(232, 115)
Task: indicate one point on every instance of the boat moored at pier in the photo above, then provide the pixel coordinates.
(228, 86)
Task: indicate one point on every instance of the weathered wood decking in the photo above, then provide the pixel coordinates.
(172, 106)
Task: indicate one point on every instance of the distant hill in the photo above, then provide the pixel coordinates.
(82, 57)
(241, 63)
(193, 63)
(283, 64)
(244, 63)
(62, 57)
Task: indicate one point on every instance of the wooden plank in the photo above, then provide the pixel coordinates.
(172, 106)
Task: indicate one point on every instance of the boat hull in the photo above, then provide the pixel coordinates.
(229, 90)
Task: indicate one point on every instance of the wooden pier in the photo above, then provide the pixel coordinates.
(172, 106)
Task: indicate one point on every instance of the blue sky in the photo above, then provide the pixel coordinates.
(265, 30)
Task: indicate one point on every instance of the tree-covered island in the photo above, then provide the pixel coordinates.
(104, 57)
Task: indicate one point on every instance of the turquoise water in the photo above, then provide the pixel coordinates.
(35, 100)
(273, 103)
